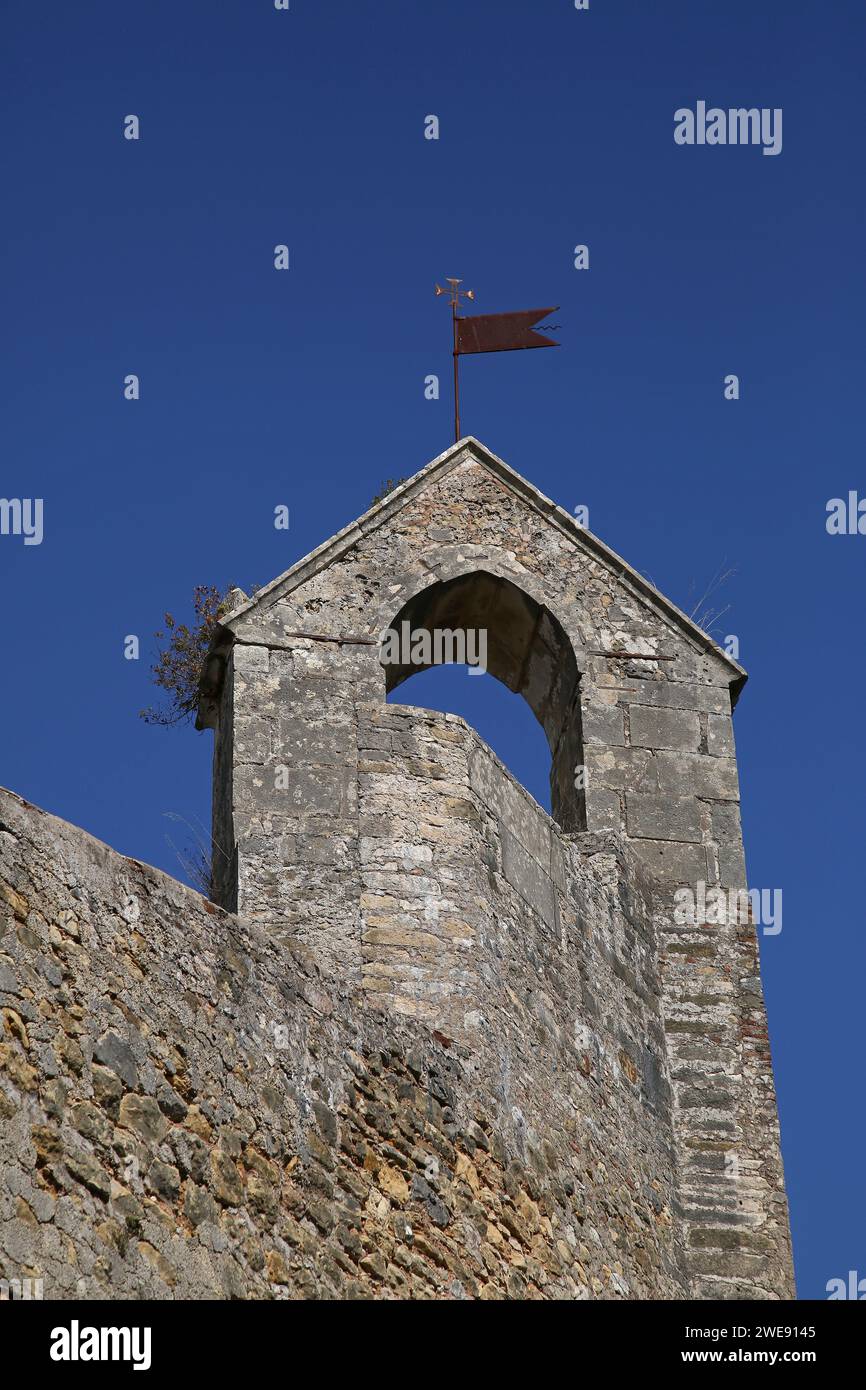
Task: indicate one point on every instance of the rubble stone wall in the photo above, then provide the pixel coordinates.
(188, 1110)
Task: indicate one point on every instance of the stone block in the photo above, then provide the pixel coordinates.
(732, 866)
(300, 741)
(309, 791)
(603, 724)
(511, 805)
(663, 817)
(670, 694)
(249, 661)
(720, 735)
(697, 774)
(485, 780)
(726, 823)
(558, 862)
(603, 808)
(670, 862)
(529, 824)
(528, 878)
(664, 728)
(253, 738)
(632, 769)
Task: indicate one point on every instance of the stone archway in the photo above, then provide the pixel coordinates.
(527, 649)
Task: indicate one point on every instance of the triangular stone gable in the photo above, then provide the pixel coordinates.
(251, 612)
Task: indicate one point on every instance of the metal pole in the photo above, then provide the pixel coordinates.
(456, 375)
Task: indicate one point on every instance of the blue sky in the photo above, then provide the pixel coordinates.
(305, 388)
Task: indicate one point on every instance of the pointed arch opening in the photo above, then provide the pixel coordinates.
(521, 643)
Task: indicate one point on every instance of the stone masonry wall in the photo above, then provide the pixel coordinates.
(188, 1110)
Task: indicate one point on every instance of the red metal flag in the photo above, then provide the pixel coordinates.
(501, 332)
(489, 333)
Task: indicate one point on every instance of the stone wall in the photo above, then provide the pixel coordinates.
(189, 1110)
(449, 1046)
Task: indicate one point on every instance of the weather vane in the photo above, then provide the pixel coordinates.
(489, 333)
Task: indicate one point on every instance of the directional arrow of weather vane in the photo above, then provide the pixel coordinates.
(490, 333)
